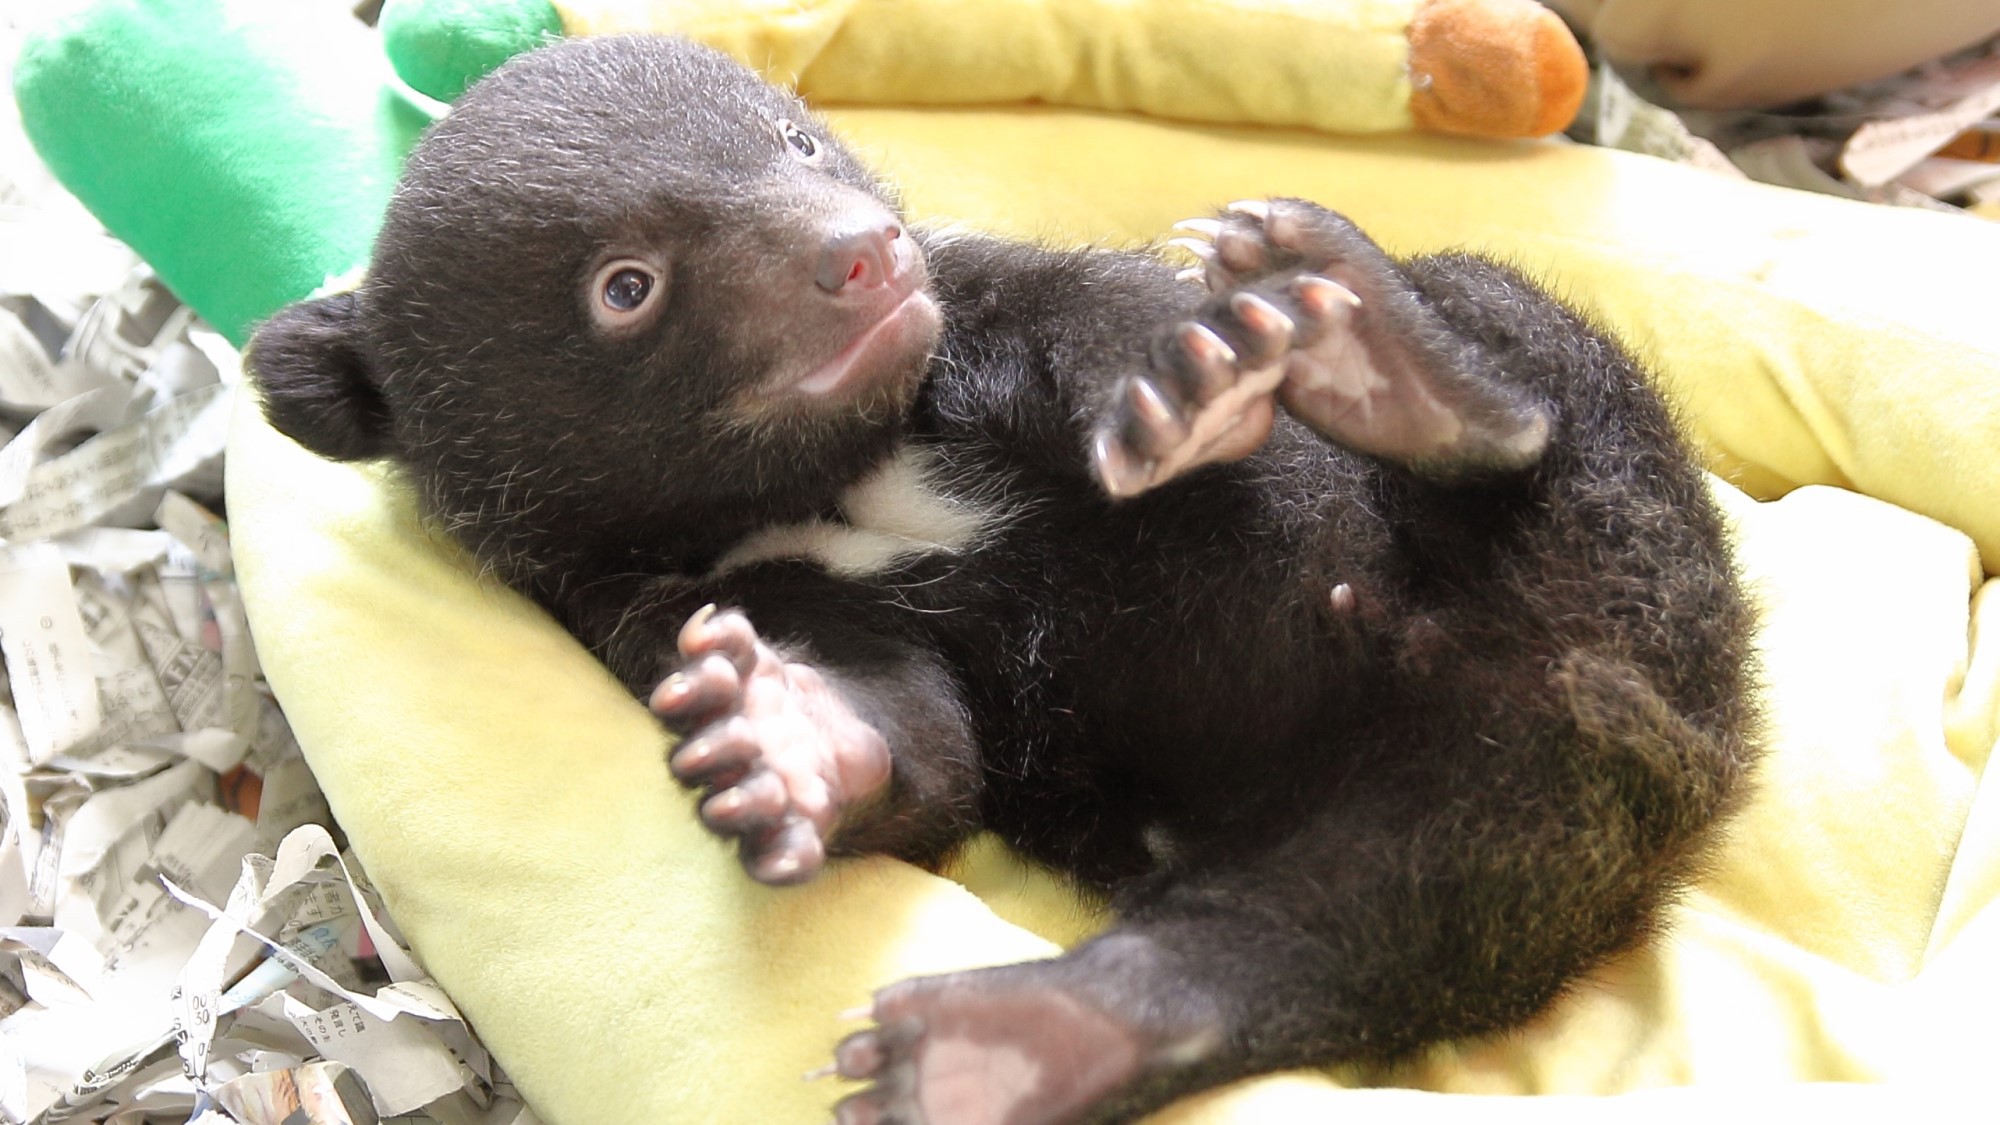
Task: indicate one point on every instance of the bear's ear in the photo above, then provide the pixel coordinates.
(319, 383)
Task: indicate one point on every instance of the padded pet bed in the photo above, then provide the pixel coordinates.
(1839, 364)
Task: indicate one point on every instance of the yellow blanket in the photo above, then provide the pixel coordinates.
(512, 805)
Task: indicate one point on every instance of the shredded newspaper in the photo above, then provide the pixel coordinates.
(183, 937)
(1926, 138)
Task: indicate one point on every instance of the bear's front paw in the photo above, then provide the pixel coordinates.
(1308, 313)
(778, 751)
(1276, 319)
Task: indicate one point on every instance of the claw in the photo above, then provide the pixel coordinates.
(1200, 248)
(1240, 250)
(1201, 342)
(860, 1055)
(1263, 317)
(1283, 229)
(724, 633)
(697, 623)
(1160, 425)
(1122, 474)
(1255, 208)
(1207, 228)
(1343, 598)
(1321, 294)
(1152, 406)
(1192, 273)
(778, 869)
(671, 692)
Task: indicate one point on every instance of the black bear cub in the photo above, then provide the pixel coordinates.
(1360, 627)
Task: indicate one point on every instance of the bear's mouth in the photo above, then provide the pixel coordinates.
(881, 350)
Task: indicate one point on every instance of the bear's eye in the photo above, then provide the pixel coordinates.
(801, 141)
(627, 290)
(623, 292)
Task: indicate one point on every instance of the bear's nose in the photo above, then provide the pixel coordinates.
(863, 258)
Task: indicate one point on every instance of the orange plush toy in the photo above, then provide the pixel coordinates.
(1493, 68)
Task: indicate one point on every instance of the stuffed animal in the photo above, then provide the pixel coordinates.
(194, 129)
(223, 128)
(1490, 68)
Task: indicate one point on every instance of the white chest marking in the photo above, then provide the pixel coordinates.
(896, 511)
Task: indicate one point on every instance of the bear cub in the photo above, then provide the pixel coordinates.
(1362, 629)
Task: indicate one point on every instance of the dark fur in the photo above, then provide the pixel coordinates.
(1328, 835)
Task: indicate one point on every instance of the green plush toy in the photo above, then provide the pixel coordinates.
(246, 158)
(442, 46)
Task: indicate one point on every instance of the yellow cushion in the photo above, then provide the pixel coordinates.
(1339, 65)
(512, 804)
